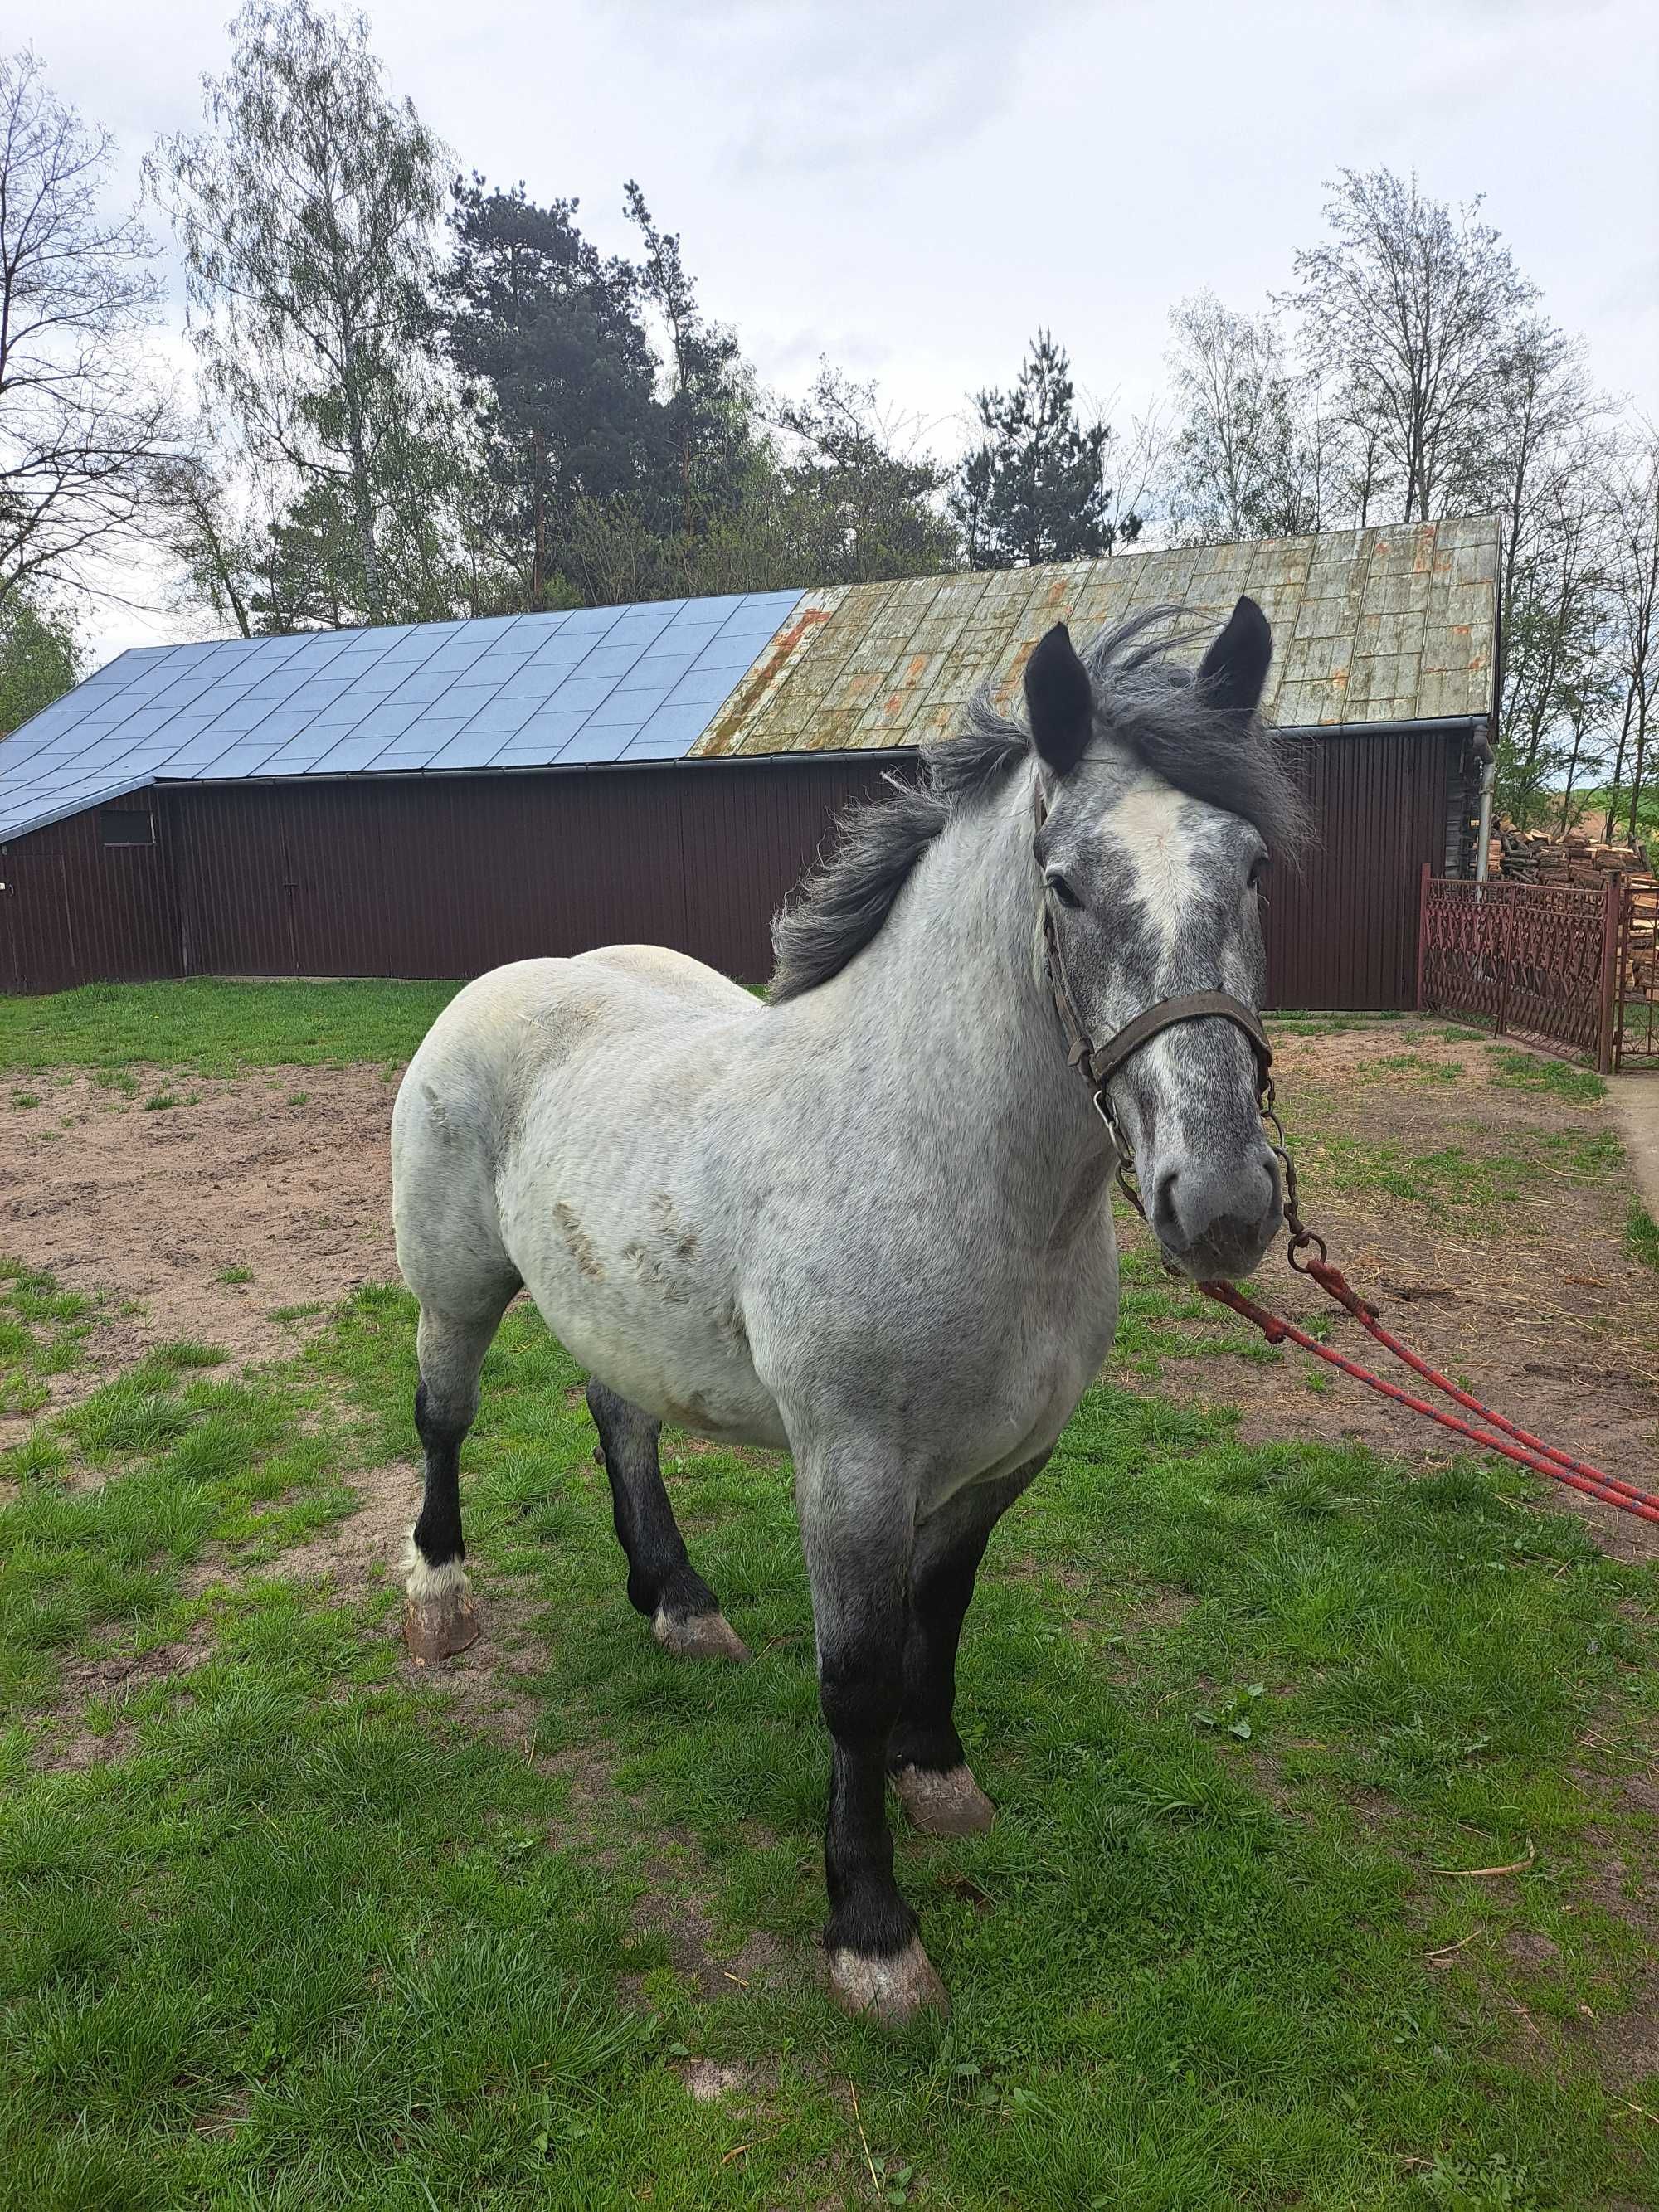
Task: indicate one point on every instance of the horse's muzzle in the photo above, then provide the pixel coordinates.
(1214, 1220)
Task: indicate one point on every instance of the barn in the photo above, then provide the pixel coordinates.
(432, 800)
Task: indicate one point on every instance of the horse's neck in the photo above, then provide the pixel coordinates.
(949, 999)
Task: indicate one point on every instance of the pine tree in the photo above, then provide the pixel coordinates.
(1033, 489)
(547, 339)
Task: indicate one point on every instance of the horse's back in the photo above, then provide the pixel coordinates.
(470, 1087)
(515, 1020)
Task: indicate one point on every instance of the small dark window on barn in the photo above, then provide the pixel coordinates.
(125, 825)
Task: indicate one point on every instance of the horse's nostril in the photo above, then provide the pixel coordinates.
(1163, 1194)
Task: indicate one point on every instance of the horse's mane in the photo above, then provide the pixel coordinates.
(1148, 704)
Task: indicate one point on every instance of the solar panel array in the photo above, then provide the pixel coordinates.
(592, 685)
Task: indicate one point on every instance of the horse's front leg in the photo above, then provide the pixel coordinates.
(930, 1774)
(856, 1530)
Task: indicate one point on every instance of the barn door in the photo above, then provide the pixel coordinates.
(290, 900)
(11, 948)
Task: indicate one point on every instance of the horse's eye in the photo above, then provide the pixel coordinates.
(1062, 890)
(1259, 873)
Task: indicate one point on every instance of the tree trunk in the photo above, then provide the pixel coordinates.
(1618, 768)
(538, 507)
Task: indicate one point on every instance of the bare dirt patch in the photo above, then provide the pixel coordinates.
(149, 1209)
(353, 1553)
(70, 1745)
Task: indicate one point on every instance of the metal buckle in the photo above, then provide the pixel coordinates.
(1126, 1165)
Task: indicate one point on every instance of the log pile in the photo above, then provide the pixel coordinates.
(1534, 856)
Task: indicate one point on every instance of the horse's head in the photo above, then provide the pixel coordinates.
(1162, 798)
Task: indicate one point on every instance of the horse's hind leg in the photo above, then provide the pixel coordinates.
(439, 1616)
(662, 1583)
(930, 1774)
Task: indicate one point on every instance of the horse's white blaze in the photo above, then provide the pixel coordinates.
(1152, 825)
(1154, 837)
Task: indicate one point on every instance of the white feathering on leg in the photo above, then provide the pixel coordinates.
(426, 1584)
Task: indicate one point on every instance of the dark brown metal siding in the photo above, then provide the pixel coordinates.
(1342, 933)
(449, 876)
(76, 911)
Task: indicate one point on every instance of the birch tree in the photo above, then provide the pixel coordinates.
(1251, 455)
(1413, 305)
(306, 214)
(1632, 629)
(83, 421)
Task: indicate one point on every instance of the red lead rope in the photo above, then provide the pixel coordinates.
(1514, 1442)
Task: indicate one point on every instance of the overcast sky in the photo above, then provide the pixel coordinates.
(913, 187)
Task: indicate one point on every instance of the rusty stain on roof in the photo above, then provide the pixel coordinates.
(1391, 624)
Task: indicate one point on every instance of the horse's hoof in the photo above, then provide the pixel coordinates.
(891, 1990)
(438, 1627)
(948, 1803)
(700, 1636)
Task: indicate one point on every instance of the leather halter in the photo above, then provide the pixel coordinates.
(1098, 1064)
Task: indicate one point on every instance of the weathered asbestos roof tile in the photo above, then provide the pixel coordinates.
(1396, 624)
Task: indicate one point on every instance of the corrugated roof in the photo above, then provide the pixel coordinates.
(1375, 625)
(1396, 624)
(594, 684)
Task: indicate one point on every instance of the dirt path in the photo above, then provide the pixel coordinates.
(284, 1174)
(1636, 1103)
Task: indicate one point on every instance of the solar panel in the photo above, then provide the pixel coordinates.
(588, 685)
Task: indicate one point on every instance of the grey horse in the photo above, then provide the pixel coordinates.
(868, 1220)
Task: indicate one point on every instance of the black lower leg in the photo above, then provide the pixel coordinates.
(660, 1577)
(859, 1691)
(947, 1557)
(438, 1530)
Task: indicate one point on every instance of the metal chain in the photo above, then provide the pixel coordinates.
(1302, 1237)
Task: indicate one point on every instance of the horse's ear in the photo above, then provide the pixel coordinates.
(1234, 668)
(1060, 699)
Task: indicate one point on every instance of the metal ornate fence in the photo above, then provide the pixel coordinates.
(1535, 960)
(1636, 1025)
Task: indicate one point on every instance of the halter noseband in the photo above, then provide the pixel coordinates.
(1098, 1064)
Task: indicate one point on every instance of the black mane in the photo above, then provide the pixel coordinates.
(1148, 704)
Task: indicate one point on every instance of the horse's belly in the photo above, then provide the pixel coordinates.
(657, 1327)
(681, 1376)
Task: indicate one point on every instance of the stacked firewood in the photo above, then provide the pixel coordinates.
(1534, 856)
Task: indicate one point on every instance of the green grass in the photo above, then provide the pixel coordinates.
(42, 1332)
(301, 1928)
(1152, 1302)
(236, 1272)
(1473, 1191)
(308, 1936)
(1510, 1070)
(216, 1029)
(1390, 1067)
(1641, 1235)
